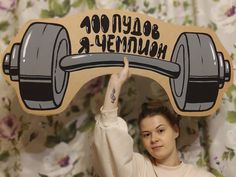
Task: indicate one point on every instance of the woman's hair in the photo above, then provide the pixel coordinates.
(153, 108)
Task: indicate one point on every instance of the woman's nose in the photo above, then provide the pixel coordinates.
(154, 137)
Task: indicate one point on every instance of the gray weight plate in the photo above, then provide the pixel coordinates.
(13, 69)
(42, 82)
(196, 88)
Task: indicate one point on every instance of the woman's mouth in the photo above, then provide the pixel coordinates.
(156, 147)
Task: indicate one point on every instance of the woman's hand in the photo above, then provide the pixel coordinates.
(118, 79)
(114, 86)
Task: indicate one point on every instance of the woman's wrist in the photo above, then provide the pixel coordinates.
(114, 86)
(111, 98)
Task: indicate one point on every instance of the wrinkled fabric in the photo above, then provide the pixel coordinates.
(208, 143)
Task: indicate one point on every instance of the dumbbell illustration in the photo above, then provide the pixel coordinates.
(42, 62)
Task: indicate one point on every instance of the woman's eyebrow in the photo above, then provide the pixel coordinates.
(147, 131)
(160, 126)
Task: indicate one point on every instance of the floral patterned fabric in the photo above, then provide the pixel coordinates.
(59, 145)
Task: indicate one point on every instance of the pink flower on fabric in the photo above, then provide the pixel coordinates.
(231, 11)
(60, 161)
(7, 4)
(9, 126)
(224, 15)
(63, 162)
(95, 85)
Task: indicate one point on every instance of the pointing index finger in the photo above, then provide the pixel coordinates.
(126, 62)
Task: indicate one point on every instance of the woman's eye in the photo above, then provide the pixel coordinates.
(146, 135)
(161, 130)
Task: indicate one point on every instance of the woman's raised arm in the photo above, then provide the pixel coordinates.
(113, 147)
(114, 87)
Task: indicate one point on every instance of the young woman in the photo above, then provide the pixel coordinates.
(113, 147)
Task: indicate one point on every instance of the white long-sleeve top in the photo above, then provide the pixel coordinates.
(113, 154)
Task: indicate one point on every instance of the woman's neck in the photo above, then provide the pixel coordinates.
(171, 160)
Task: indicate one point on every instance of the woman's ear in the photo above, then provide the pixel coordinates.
(176, 129)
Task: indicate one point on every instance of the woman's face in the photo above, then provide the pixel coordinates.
(158, 136)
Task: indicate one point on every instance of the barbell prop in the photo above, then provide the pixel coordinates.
(41, 64)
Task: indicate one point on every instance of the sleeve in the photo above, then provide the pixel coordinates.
(113, 147)
(204, 173)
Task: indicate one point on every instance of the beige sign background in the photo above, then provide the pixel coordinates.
(168, 35)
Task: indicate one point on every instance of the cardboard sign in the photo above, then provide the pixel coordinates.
(51, 59)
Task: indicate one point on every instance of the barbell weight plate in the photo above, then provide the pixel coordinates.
(42, 83)
(13, 70)
(196, 88)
